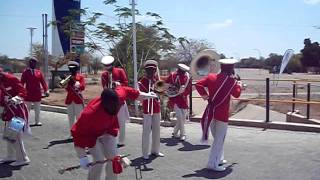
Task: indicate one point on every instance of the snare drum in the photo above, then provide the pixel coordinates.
(13, 128)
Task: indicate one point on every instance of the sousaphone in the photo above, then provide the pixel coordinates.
(204, 63)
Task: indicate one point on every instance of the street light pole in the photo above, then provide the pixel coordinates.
(45, 46)
(134, 51)
(31, 35)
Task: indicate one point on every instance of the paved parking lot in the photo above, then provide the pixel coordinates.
(251, 153)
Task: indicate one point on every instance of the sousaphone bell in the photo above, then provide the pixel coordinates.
(204, 63)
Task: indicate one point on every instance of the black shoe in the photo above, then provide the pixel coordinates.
(120, 145)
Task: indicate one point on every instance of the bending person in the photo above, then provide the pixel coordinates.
(97, 129)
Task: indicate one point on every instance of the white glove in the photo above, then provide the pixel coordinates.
(84, 163)
(117, 83)
(149, 95)
(16, 100)
(77, 84)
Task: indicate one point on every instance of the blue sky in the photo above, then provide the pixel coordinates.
(238, 28)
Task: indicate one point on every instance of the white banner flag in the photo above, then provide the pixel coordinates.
(285, 60)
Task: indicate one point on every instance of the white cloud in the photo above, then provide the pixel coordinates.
(225, 24)
(311, 2)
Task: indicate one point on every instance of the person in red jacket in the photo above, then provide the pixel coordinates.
(220, 89)
(97, 129)
(74, 99)
(151, 111)
(113, 76)
(181, 80)
(33, 79)
(11, 106)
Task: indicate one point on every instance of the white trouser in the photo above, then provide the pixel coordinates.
(218, 131)
(104, 148)
(36, 107)
(181, 119)
(74, 111)
(16, 150)
(151, 123)
(123, 117)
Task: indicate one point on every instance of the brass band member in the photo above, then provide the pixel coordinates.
(74, 99)
(220, 87)
(151, 111)
(114, 76)
(33, 79)
(97, 129)
(180, 79)
(11, 108)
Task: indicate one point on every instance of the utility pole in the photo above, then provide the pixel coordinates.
(134, 51)
(31, 35)
(45, 26)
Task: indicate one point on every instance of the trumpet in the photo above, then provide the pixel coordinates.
(65, 81)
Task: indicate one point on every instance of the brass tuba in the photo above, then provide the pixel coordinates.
(167, 89)
(204, 63)
(65, 81)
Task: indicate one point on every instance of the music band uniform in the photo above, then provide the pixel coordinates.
(180, 79)
(33, 80)
(74, 99)
(220, 89)
(10, 90)
(151, 111)
(113, 76)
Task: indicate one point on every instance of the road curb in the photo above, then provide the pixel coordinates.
(271, 125)
(235, 122)
(56, 109)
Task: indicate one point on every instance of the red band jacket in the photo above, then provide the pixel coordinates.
(144, 87)
(178, 80)
(33, 79)
(74, 94)
(213, 82)
(10, 86)
(118, 74)
(94, 121)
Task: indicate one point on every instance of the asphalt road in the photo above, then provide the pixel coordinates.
(252, 154)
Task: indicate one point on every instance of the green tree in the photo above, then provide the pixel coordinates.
(153, 40)
(310, 54)
(295, 65)
(274, 60)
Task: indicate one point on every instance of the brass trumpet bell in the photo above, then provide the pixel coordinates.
(65, 81)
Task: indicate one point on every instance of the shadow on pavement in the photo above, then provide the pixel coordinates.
(57, 142)
(190, 147)
(170, 141)
(210, 174)
(7, 171)
(140, 165)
